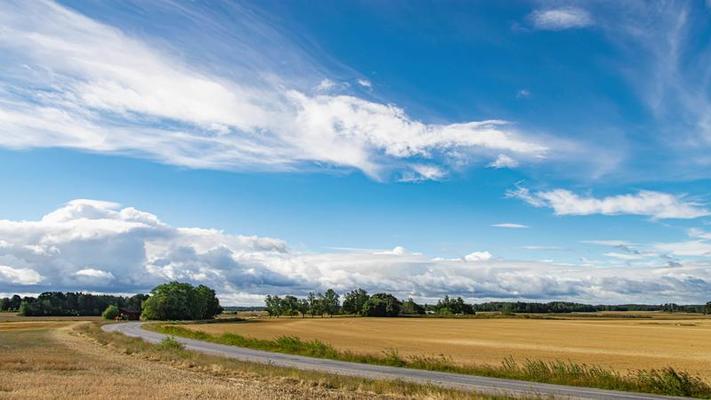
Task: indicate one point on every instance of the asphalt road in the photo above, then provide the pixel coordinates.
(443, 379)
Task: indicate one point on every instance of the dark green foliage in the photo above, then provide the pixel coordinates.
(382, 305)
(409, 307)
(320, 304)
(331, 303)
(111, 312)
(5, 304)
(447, 306)
(354, 300)
(70, 304)
(15, 303)
(707, 308)
(567, 307)
(180, 301)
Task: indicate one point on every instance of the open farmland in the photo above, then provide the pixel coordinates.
(622, 344)
(68, 359)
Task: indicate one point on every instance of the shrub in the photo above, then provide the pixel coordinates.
(170, 343)
(111, 312)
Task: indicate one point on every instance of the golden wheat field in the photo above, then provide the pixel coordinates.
(622, 344)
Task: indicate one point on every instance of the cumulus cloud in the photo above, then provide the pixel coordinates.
(556, 19)
(510, 226)
(105, 247)
(69, 81)
(478, 256)
(657, 205)
(504, 161)
(19, 276)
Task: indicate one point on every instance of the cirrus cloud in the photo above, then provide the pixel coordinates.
(657, 205)
(72, 82)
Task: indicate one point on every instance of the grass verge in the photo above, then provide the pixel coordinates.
(172, 352)
(666, 381)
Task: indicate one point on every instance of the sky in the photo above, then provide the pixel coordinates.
(522, 150)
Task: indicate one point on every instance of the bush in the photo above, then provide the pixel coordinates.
(170, 343)
(111, 312)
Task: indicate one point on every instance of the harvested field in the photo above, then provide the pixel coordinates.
(68, 360)
(620, 344)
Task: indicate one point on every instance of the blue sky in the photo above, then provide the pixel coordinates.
(512, 150)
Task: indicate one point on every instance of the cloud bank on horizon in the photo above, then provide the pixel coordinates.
(104, 247)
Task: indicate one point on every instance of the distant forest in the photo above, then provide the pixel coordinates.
(69, 304)
(355, 302)
(359, 302)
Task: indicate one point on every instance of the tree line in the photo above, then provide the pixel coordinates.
(169, 301)
(69, 304)
(359, 302)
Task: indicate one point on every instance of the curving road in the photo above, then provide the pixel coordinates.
(448, 380)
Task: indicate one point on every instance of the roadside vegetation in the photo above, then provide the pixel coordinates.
(667, 381)
(308, 383)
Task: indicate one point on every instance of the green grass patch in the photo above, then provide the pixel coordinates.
(666, 381)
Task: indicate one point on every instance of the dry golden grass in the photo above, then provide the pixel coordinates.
(621, 344)
(13, 317)
(77, 361)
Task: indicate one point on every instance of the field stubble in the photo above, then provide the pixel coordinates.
(620, 344)
(71, 360)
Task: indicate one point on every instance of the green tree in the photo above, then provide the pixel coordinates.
(331, 302)
(290, 305)
(111, 312)
(354, 300)
(707, 308)
(303, 307)
(273, 305)
(5, 304)
(135, 302)
(412, 308)
(382, 305)
(15, 302)
(315, 304)
(180, 301)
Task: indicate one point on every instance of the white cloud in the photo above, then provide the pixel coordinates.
(365, 83)
(523, 93)
(657, 205)
(104, 247)
(609, 242)
(478, 256)
(94, 274)
(325, 85)
(19, 276)
(510, 226)
(557, 19)
(625, 256)
(699, 233)
(69, 81)
(688, 248)
(504, 161)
